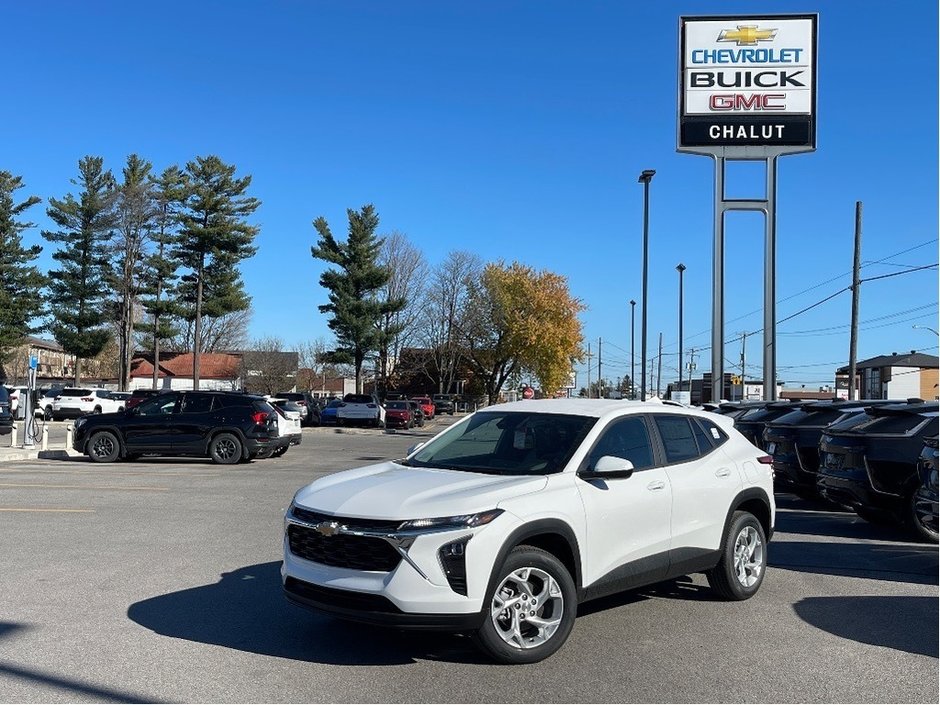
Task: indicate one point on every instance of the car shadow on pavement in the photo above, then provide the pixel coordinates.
(897, 622)
(246, 610)
(802, 516)
(875, 561)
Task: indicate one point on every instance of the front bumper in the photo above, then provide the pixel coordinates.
(415, 593)
(373, 609)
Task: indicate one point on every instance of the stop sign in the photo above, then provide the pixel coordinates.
(528, 393)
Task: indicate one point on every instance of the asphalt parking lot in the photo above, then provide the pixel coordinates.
(158, 581)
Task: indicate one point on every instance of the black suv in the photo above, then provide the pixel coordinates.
(311, 409)
(792, 440)
(869, 461)
(443, 404)
(751, 423)
(224, 426)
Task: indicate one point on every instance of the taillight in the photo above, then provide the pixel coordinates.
(259, 417)
(88, 398)
(765, 459)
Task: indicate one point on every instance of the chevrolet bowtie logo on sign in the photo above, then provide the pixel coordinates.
(747, 35)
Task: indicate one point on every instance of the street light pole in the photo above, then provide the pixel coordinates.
(645, 179)
(632, 354)
(680, 268)
(917, 325)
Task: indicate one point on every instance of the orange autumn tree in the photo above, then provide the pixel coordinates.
(522, 319)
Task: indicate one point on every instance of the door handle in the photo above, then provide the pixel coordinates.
(656, 485)
(722, 472)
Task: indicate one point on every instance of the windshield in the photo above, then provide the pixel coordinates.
(396, 405)
(507, 443)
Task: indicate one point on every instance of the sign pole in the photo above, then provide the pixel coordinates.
(718, 284)
(770, 283)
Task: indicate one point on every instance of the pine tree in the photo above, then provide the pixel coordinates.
(159, 271)
(353, 288)
(135, 214)
(77, 291)
(213, 239)
(21, 282)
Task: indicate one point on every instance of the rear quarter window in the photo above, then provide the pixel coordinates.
(714, 433)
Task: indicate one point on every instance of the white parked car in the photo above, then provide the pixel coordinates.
(503, 523)
(362, 409)
(289, 423)
(73, 402)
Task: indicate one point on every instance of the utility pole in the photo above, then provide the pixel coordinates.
(659, 367)
(743, 360)
(600, 384)
(856, 284)
(691, 370)
(589, 356)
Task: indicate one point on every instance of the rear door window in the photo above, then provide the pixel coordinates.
(196, 403)
(678, 439)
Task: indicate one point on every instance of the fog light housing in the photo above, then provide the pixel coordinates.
(453, 558)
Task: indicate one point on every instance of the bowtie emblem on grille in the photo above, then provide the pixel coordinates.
(328, 528)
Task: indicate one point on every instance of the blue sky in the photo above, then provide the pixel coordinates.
(512, 129)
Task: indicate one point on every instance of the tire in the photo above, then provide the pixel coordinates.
(743, 563)
(225, 449)
(103, 447)
(921, 530)
(526, 574)
(279, 452)
(97, 410)
(48, 414)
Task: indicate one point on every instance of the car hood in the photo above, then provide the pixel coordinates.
(393, 491)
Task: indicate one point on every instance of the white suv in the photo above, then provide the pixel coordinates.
(73, 402)
(503, 523)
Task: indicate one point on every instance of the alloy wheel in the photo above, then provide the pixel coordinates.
(103, 447)
(748, 556)
(527, 608)
(225, 449)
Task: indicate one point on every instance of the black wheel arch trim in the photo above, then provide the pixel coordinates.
(536, 528)
(742, 497)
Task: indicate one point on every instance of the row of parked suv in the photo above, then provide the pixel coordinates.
(877, 457)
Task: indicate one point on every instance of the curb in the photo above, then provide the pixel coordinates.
(12, 455)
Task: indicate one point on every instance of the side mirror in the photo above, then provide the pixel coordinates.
(609, 467)
(413, 448)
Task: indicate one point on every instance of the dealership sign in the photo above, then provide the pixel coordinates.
(747, 81)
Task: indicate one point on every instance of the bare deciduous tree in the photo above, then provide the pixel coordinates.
(444, 311)
(267, 368)
(218, 334)
(408, 272)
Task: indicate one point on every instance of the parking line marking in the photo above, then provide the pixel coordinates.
(40, 471)
(84, 487)
(45, 509)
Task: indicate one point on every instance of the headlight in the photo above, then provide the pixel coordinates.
(463, 521)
